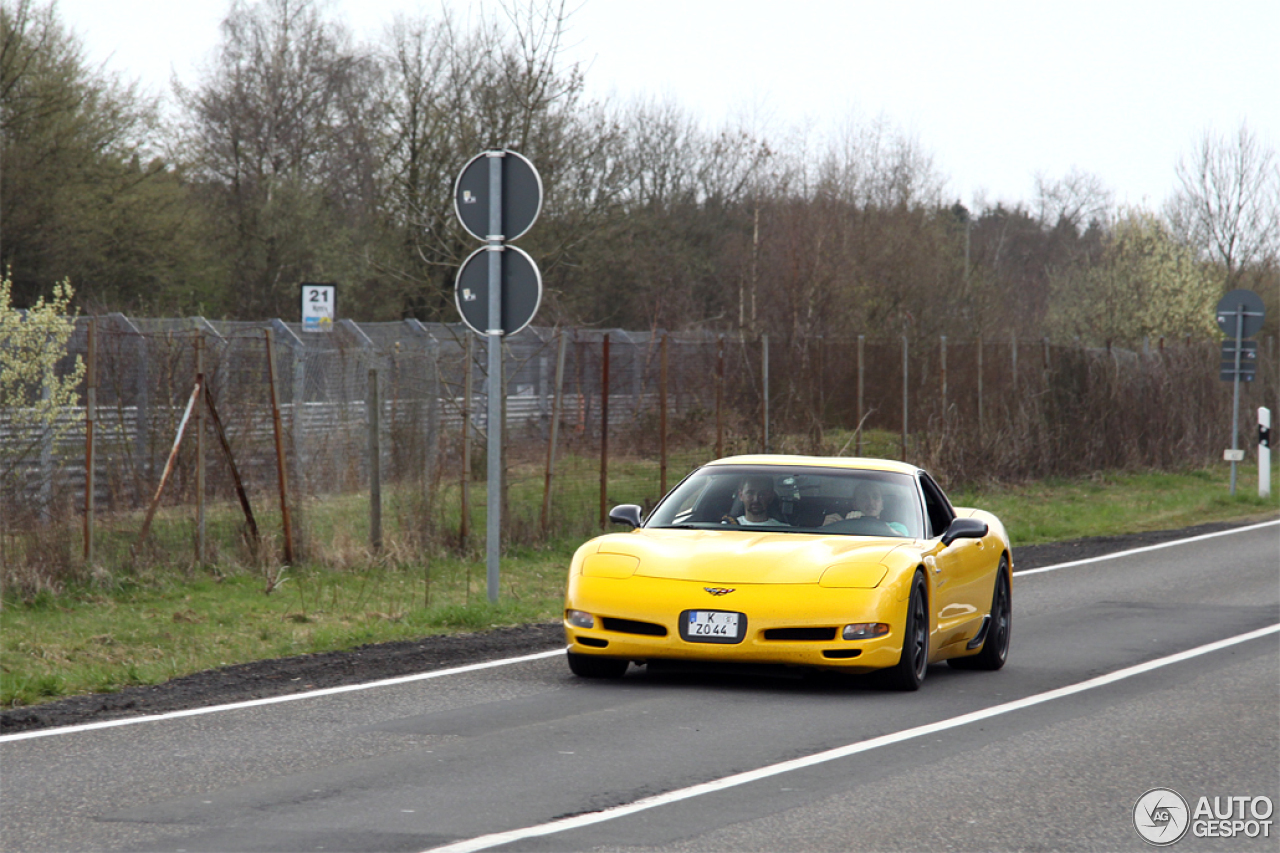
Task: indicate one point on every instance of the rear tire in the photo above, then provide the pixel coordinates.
(995, 648)
(911, 667)
(591, 666)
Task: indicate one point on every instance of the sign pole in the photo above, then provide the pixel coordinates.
(493, 521)
(497, 198)
(1249, 312)
(1235, 404)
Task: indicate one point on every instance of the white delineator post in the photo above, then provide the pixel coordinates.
(1264, 452)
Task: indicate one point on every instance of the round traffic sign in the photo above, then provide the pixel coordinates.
(1244, 302)
(521, 195)
(521, 289)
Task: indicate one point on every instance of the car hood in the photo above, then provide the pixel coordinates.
(738, 556)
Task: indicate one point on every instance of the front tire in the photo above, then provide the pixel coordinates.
(910, 671)
(591, 666)
(995, 648)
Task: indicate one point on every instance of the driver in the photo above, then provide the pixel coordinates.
(756, 493)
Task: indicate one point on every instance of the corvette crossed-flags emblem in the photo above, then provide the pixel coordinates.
(717, 590)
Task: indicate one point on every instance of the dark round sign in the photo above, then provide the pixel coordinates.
(1231, 305)
(521, 195)
(521, 290)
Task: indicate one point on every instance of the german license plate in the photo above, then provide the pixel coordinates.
(712, 626)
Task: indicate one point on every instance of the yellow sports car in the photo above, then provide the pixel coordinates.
(850, 564)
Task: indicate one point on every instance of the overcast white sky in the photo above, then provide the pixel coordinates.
(996, 91)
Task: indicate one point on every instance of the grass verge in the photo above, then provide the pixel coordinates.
(154, 626)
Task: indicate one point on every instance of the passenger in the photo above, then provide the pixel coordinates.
(868, 502)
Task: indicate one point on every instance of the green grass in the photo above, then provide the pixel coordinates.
(87, 641)
(155, 621)
(1107, 504)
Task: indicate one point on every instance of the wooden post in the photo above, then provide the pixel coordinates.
(822, 383)
(906, 387)
(764, 390)
(980, 421)
(720, 397)
(561, 344)
(604, 434)
(662, 420)
(944, 381)
(862, 339)
(168, 467)
(235, 472)
(200, 472)
(1046, 362)
(373, 407)
(46, 455)
(90, 416)
(1013, 352)
(286, 521)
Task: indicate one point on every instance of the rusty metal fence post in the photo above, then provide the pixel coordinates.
(662, 419)
(604, 432)
(90, 416)
(286, 521)
(373, 407)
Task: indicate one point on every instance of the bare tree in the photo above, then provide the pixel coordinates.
(278, 136)
(449, 93)
(1228, 205)
(1077, 199)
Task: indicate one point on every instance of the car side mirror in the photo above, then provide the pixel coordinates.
(964, 528)
(628, 514)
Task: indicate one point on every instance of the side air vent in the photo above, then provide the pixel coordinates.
(630, 626)
(810, 634)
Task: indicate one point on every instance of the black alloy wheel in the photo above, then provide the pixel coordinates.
(911, 667)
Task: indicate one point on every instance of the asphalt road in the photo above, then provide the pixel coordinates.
(457, 757)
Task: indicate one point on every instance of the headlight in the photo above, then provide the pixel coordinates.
(610, 566)
(578, 619)
(864, 630)
(854, 575)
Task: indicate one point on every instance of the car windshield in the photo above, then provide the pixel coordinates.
(829, 501)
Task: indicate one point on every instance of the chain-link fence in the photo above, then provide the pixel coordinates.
(288, 434)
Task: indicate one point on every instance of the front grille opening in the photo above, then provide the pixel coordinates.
(812, 634)
(631, 626)
(594, 642)
(841, 653)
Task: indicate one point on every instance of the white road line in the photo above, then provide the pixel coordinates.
(293, 697)
(1171, 543)
(271, 700)
(484, 842)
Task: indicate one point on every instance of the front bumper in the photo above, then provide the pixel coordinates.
(628, 612)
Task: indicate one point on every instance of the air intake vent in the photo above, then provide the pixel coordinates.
(811, 634)
(630, 626)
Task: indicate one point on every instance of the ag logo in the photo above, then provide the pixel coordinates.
(1161, 816)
